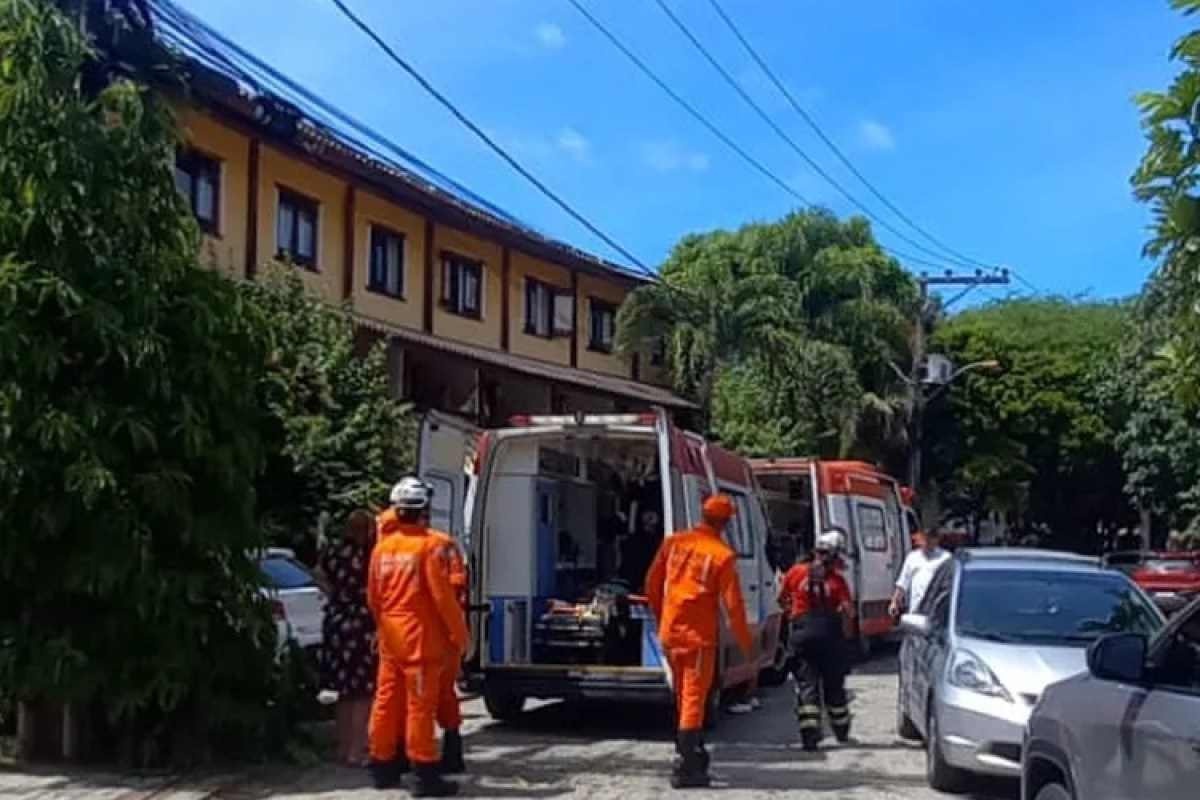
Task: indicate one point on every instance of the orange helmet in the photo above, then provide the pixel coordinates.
(718, 510)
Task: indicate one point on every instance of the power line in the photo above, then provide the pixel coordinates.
(812, 123)
(496, 148)
(688, 107)
(782, 134)
(725, 139)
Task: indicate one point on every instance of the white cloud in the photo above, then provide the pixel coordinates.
(875, 135)
(669, 156)
(550, 35)
(575, 144)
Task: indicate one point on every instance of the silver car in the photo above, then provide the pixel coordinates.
(994, 629)
(1128, 728)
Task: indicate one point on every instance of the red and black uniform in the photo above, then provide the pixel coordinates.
(818, 600)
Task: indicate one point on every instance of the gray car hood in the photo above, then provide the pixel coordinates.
(1027, 669)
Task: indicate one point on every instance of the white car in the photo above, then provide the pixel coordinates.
(297, 602)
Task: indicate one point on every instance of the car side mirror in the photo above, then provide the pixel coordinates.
(915, 624)
(1118, 657)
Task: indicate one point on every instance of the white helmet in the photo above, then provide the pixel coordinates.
(411, 494)
(831, 541)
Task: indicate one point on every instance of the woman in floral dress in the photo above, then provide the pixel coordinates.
(348, 656)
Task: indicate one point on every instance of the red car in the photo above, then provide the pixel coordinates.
(1172, 579)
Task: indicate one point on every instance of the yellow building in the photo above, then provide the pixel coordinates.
(484, 317)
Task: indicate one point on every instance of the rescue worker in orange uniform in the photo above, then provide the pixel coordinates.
(693, 574)
(449, 715)
(818, 601)
(420, 625)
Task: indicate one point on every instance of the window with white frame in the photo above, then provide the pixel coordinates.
(462, 286)
(296, 228)
(603, 328)
(386, 271)
(198, 179)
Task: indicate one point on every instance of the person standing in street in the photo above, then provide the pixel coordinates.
(693, 574)
(819, 603)
(920, 565)
(421, 626)
(348, 663)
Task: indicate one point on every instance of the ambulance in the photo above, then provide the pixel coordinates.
(562, 514)
(806, 496)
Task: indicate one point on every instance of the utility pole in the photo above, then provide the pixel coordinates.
(915, 384)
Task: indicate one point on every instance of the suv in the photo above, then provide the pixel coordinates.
(1128, 728)
(993, 630)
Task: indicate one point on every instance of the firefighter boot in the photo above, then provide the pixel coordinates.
(691, 768)
(705, 758)
(387, 774)
(427, 781)
(452, 754)
(840, 722)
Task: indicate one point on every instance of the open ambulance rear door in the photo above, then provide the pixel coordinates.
(446, 446)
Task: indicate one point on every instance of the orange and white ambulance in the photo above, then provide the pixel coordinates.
(806, 496)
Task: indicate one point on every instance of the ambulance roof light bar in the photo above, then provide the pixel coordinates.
(580, 419)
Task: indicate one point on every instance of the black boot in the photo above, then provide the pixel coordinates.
(810, 738)
(387, 774)
(702, 751)
(452, 754)
(691, 768)
(842, 732)
(427, 781)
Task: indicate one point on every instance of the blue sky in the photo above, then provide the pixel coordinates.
(1005, 128)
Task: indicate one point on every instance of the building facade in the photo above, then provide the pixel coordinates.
(484, 317)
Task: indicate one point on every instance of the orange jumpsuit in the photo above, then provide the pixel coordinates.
(449, 714)
(694, 573)
(420, 623)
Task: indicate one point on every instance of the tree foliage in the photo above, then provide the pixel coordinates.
(336, 438)
(1167, 181)
(766, 325)
(1037, 440)
(129, 440)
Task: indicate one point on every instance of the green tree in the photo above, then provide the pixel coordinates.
(782, 317)
(1035, 441)
(128, 418)
(337, 439)
(1167, 180)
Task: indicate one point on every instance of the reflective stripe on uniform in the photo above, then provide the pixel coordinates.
(839, 713)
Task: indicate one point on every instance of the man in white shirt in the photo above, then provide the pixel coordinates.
(917, 573)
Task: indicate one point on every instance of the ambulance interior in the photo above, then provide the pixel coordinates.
(571, 525)
(789, 503)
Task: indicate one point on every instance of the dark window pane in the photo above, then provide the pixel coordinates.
(285, 226)
(183, 182)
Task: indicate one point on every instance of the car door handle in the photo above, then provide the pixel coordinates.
(752, 588)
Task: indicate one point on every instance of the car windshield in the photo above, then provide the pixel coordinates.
(1050, 607)
(1170, 565)
(283, 573)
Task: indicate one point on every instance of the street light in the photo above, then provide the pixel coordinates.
(918, 411)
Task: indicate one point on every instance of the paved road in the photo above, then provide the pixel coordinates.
(602, 752)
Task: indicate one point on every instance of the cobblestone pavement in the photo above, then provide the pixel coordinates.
(592, 752)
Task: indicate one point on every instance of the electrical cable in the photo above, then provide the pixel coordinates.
(841, 156)
(496, 148)
(714, 130)
(782, 134)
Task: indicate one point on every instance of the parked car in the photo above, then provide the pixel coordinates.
(994, 629)
(1171, 579)
(1127, 728)
(1126, 561)
(297, 601)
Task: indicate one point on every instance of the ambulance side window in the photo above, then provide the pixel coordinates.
(741, 531)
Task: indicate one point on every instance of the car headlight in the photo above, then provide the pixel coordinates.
(967, 671)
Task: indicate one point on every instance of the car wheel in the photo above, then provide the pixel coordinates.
(905, 728)
(1053, 791)
(503, 706)
(942, 777)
